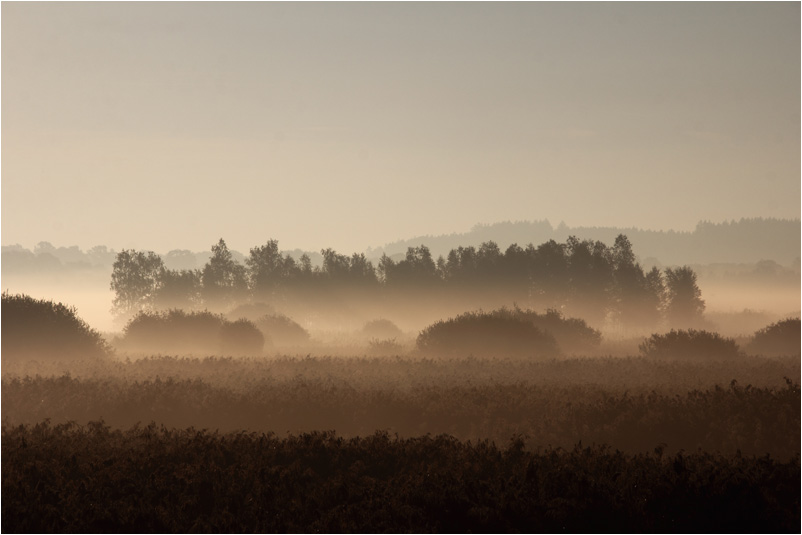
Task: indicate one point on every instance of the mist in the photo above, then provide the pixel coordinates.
(401, 267)
(743, 288)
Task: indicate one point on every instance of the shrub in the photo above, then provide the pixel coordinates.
(573, 335)
(780, 338)
(690, 344)
(177, 331)
(282, 330)
(241, 337)
(38, 328)
(174, 331)
(381, 328)
(495, 334)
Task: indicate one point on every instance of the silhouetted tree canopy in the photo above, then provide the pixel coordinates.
(580, 278)
(684, 306)
(267, 269)
(134, 280)
(177, 289)
(224, 279)
(638, 297)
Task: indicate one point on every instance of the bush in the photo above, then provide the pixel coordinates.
(282, 330)
(241, 337)
(780, 338)
(177, 331)
(37, 328)
(573, 335)
(495, 334)
(381, 328)
(174, 331)
(690, 344)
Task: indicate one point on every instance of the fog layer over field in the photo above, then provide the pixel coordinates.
(739, 296)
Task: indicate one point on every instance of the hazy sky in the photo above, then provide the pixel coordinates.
(169, 125)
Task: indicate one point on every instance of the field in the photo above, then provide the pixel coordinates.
(152, 479)
(401, 444)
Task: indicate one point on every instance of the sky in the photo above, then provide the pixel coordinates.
(163, 126)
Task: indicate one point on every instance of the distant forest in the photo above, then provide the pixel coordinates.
(744, 241)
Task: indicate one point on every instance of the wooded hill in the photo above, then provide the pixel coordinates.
(744, 241)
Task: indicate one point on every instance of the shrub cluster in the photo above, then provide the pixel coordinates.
(381, 329)
(282, 330)
(690, 344)
(780, 338)
(573, 335)
(501, 333)
(176, 331)
(509, 333)
(41, 329)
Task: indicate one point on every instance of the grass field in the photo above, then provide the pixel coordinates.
(610, 444)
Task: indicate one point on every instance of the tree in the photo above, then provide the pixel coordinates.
(550, 283)
(590, 270)
(418, 269)
(134, 280)
(336, 266)
(177, 289)
(684, 298)
(517, 270)
(265, 269)
(638, 297)
(655, 297)
(223, 279)
(362, 270)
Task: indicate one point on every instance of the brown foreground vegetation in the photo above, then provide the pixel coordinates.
(634, 404)
(151, 479)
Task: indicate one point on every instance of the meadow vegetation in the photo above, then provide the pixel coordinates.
(157, 480)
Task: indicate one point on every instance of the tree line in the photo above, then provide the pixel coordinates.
(747, 240)
(583, 277)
